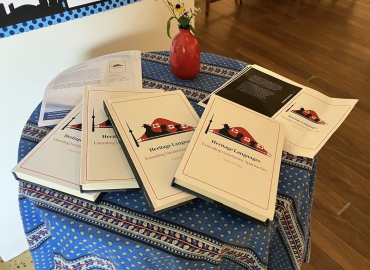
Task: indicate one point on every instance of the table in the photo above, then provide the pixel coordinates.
(64, 232)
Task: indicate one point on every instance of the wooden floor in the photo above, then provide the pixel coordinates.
(21, 262)
(323, 44)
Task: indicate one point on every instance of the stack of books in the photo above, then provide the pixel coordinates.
(127, 138)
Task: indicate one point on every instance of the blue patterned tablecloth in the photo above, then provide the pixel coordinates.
(64, 232)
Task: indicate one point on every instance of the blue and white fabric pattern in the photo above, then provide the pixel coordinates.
(65, 232)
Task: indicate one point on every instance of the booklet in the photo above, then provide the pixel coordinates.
(310, 117)
(122, 69)
(258, 89)
(103, 163)
(154, 131)
(233, 160)
(55, 161)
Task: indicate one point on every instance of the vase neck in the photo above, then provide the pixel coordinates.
(184, 30)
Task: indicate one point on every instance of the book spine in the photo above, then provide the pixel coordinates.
(264, 223)
(218, 204)
(96, 201)
(15, 176)
(99, 198)
(100, 190)
(172, 207)
(130, 161)
(174, 184)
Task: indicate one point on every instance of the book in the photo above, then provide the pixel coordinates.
(55, 161)
(310, 117)
(233, 160)
(257, 89)
(103, 163)
(154, 131)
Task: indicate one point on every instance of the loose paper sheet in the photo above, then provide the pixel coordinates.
(62, 94)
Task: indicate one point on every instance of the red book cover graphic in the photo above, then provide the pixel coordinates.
(159, 128)
(309, 115)
(104, 124)
(72, 125)
(239, 135)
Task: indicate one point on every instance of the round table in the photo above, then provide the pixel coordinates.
(119, 233)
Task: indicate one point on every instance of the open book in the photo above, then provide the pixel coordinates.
(310, 117)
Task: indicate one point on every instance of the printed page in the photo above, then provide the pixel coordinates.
(121, 69)
(310, 119)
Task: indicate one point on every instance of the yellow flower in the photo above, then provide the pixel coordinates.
(178, 8)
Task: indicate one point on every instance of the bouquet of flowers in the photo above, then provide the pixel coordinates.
(182, 16)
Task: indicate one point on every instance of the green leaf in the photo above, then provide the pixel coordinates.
(184, 21)
(169, 26)
(191, 29)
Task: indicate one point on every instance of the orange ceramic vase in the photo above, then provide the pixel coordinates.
(185, 55)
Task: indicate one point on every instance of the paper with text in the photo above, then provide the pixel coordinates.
(121, 69)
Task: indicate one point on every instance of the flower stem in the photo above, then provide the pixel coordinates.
(169, 8)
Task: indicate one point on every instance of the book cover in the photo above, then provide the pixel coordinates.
(310, 119)
(103, 163)
(55, 161)
(234, 159)
(155, 131)
(258, 89)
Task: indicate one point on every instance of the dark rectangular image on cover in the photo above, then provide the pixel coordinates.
(258, 91)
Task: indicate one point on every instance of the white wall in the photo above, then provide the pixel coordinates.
(30, 60)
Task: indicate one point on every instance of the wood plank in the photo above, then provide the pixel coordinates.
(307, 266)
(347, 232)
(336, 248)
(340, 150)
(285, 69)
(357, 218)
(333, 201)
(279, 53)
(321, 260)
(346, 186)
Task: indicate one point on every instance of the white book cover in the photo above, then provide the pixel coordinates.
(234, 159)
(103, 164)
(55, 161)
(155, 131)
(310, 119)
